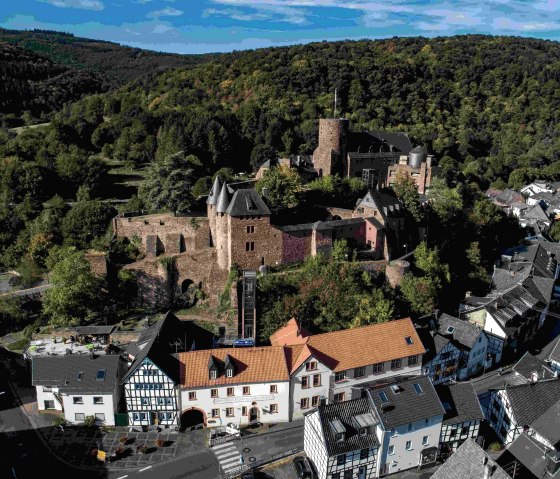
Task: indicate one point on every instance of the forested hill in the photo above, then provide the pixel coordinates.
(116, 64)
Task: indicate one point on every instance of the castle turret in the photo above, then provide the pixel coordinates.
(211, 208)
(221, 218)
(330, 155)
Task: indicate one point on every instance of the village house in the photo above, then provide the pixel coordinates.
(79, 386)
(470, 461)
(536, 187)
(341, 440)
(410, 417)
(462, 417)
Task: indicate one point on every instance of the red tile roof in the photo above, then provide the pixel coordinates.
(291, 333)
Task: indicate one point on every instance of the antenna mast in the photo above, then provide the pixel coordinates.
(335, 99)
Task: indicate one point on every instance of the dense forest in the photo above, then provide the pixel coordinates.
(41, 70)
(487, 107)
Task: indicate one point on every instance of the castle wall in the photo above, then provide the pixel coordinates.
(98, 263)
(422, 176)
(321, 242)
(330, 155)
(222, 241)
(211, 212)
(342, 213)
(163, 228)
(296, 246)
(253, 242)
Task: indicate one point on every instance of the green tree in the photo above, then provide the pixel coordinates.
(445, 201)
(555, 231)
(260, 154)
(340, 250)
(374, 308)
(428, 260)
(75, 294)
(420, 293)
(282, 186)
(168, 184)
(86, 221)
(407, 192)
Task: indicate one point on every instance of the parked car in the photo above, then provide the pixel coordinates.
(302, 468)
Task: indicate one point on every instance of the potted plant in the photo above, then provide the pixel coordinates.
(143, 449)
(160, 443)
(123, 440)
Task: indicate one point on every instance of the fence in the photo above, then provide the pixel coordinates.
(253, 465)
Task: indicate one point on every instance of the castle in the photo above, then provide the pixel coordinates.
(376, 157)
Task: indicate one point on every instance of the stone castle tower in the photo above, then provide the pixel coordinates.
(330, 156)
(222, 236)
(211, 209)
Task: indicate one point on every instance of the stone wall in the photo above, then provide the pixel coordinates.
(296, 245)
(253, 242)
(332, 146)
(341, 213)
(98, 262)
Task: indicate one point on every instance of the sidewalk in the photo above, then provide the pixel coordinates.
(74, 444)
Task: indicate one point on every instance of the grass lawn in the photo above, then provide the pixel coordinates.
(124, 181)
(15, 342)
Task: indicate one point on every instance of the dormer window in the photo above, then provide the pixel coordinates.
(339, 437)
(228, 365)
(363, 431)
(213, 374)
(229, 372)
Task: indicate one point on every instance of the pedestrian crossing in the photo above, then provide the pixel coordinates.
(228, 455)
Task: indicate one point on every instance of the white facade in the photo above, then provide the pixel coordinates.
(79, 405)
(401, 447)
(453, 435)
(476, 357)
(152, 397)
(233, 403)
(500, 417)
(534, 188)
(315, 393)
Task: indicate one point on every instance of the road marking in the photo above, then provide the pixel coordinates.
(122, 477)
(220, 446)
(233, 460)
(145, 469)
(222, 457)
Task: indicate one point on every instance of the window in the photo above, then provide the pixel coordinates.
(230, 392)
(47, 389)
(396, 388)
(79, 417)
(304, 403)
(383, 397)
(229, 372)
(425, 440)
(192, 396)
(360, 372)
(339, 397)
(273, 408)
(250, 246)
(78, 400)
(246, 390)
(409, 427)
(99, 416)
(394, 432)
(464, 430)
(97, 399)
(213, 374)
(413, 360)
(100, 376)
(311, 366)
(273, 389)
(396, 363)
(364, 453)
(339, 376)
(80, 375)
(418, 388)
(450, 330)
(426, 421)
(363, 431)
(335, 475)
(215, 413)
(169, 401)
(160, 401)
(314, 401)
(139, 416)
(341, 459)
(408, 445)
(316, 380)
(244, 411)
(213, 393)
(250, 229)
(145, 401)
(229, 412)
(348, 474)
(409, 341)
(378, 367)
(49, 404)
(391, 450)
(305, 382)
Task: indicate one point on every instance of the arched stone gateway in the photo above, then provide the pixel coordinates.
(185, 285)
(192, 417)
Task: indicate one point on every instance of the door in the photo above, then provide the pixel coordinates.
(253, 414)
(362, 472)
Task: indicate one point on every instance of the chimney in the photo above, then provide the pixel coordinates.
(534, 376)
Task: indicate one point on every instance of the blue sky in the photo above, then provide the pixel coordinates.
(200, 26)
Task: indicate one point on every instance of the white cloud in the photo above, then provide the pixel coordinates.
(162, 28)
(82, 4)
(547, 5)
(503, 23)
(166, 12)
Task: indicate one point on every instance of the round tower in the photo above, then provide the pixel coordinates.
(330, 155)
(417, 156)
(221, 242)
(211, 208)
(395, 271)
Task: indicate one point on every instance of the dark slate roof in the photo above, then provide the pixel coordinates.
(540, 287)
(365, 142)
(399, 411)
(529, 364)
(460, 403)
(469, 461)
(535, 213)
(63, 372)
(223, 199)
(530, 401)
(464, 333)
(345, 412)
(555, 354)
(247, 202)
(509, 196)
(214, 192)
(94, 329)
(157, 343)
(526, 455)
(548, 424)
(503, 279)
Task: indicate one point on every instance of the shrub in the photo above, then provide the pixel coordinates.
(59, 421)
(494, 446)
(123, 439)
(89, 421)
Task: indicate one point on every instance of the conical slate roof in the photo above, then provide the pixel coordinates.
(223, 200)
(214, 192)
